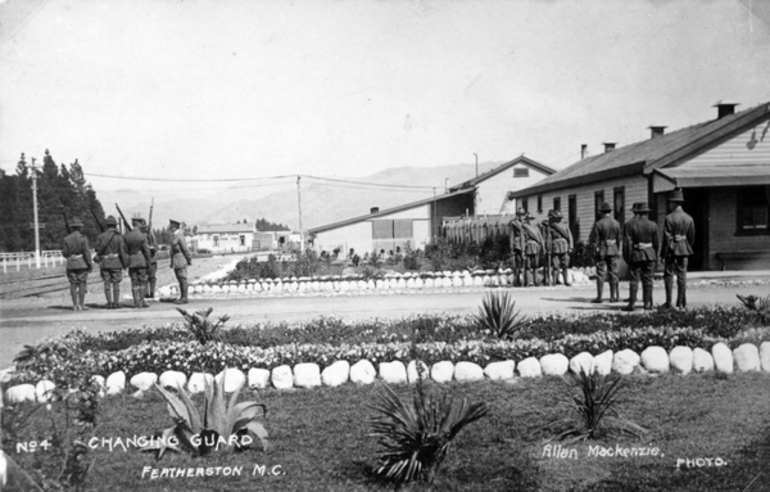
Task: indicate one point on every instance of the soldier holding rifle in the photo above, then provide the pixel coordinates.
(561, 246)
(180, 259)
(112, 256)
(139, 260)
(153, 268)
(78, 254)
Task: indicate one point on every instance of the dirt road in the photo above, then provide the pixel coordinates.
(25, 321)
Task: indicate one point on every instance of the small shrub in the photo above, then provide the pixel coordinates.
(497, 315)
(416, 437)
(199, 326)
(760, 307)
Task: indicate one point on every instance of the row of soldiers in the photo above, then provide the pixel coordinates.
(638, 242)
(549, 243)
(115, 252)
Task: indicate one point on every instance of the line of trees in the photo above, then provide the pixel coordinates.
(60, 190)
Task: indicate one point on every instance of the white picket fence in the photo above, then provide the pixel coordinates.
(15, 261)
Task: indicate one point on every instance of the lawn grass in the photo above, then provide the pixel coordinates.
(320, 440)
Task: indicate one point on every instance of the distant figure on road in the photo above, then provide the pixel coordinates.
(678, 239)
(561, 246)
(139, 261)
(78, 254)
(180, 259)
(640, 246)
(605, 239)
(112, 256)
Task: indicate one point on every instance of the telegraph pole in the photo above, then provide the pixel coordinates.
(299, 203)
(34, 208)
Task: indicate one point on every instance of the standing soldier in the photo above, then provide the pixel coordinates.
(640, 246)
(533, 244)
(517, 245)
(605, 238)
(78, 254)
(139, 260)
(180, 259)
(678, 238)
(112, 256)
(545, 233)
(561, 246)
(153, 268)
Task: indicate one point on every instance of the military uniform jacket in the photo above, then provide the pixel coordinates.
(153, 248)
(516, 242)
(77, 252)
(640, 240)
(606, 237)
(533, 240)
(111, 250)
(561, 238)
(678, 234)
(180, 255)
(138, 249)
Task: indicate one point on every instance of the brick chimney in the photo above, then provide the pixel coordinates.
(609, 146)
(583, 151)
(374, 210)
(725, 108)
(657, 131)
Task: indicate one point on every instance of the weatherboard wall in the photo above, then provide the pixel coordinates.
(491, 192)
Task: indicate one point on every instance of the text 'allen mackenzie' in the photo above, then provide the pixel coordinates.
(557, 451)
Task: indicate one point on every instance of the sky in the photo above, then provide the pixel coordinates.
(211, 90)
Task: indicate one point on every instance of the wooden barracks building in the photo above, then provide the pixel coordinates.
(722, 165)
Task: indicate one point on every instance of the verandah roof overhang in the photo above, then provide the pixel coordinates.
(667, 179)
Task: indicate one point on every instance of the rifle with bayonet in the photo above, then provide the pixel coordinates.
(126, 222)
(151, 235)
(66, 222)
(96, 219)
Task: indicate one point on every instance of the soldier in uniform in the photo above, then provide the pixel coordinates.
(517, 245)
(561, 246)
(533, 244)
(180, 259)
(139, 261)
(153, 268)
(678, 238)
(605, 238)
(78, 254)
(545, 254)
(640, 246)
(112, 256)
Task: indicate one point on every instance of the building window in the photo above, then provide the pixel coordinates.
(572, 219)
(392, 229)
(557, 203)
(753, 204)
(525, 204)
(540, 204)
(520, 172)
(216, 240)
(619, 202)
(243, 240)
(598, 201)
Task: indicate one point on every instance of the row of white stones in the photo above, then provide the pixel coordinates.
(653, 360)
(456, 279)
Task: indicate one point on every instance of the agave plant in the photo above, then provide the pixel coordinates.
(199, 326)
(760, 306)
(222, 424)
(497, 314)
(417, 437)
(595, 407)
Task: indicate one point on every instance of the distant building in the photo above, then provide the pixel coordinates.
(226, 238)
(722, 165)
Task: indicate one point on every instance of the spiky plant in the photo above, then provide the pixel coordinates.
(199, 326)
(219, 422)
(594, 407)
(416, 437)
(760, 306)
(497, 314)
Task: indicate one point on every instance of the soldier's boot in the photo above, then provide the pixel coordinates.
(535, 280)
(82, 297)
(614, 291)
(647, 294)
(182, 293)
(681, 300)
(633, 291)
(669, 294)
(526, 277)
(116, 296)
(565, 273)
(134, 297)
(599, 291)
(555, 277)
(142, 294)
(75, 298)
(108, 294)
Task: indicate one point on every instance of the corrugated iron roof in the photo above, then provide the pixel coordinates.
(647, 154)
(224, 228)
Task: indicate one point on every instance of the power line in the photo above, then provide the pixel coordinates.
(379, 185)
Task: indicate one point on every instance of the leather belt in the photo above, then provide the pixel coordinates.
(610, 242)
(643, 245)
(75, 257)
(678, 237)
